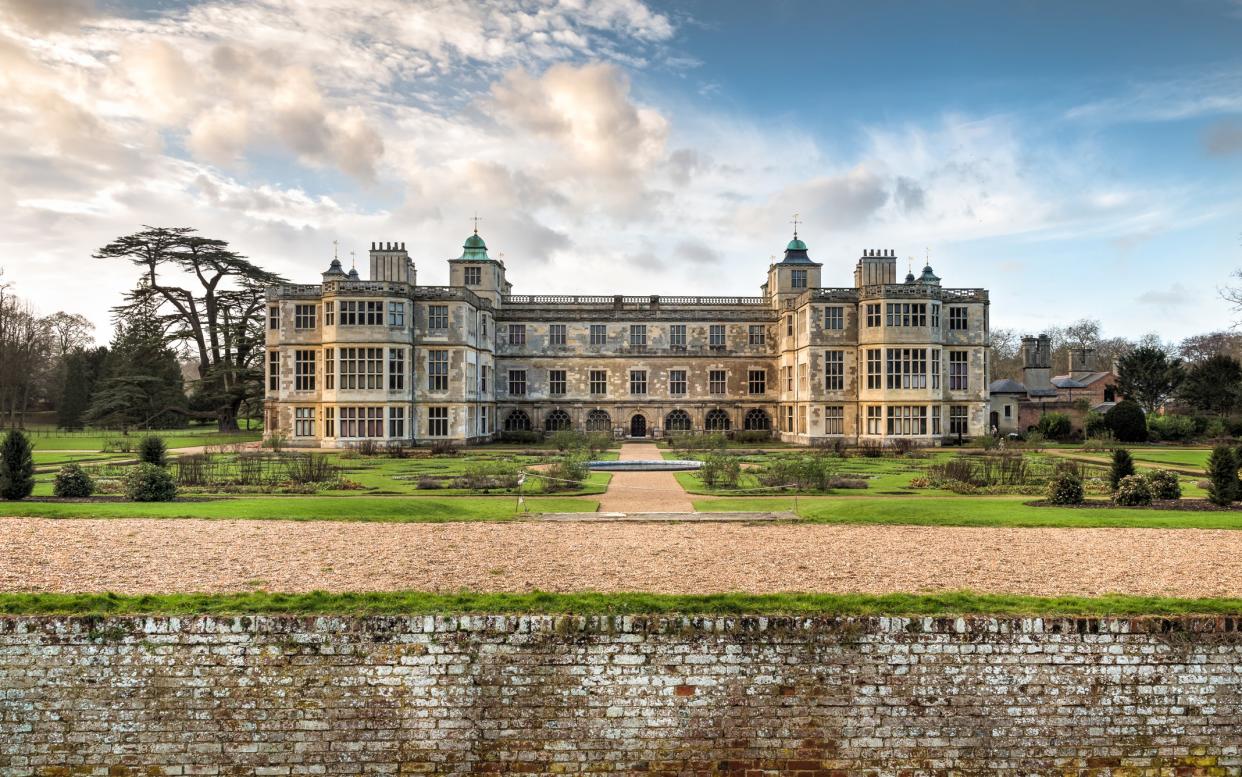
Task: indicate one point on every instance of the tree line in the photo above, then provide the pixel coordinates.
(194, 302)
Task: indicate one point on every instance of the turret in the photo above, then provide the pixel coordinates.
(793, 274)
(876, 267)
(477, 271)
(1037, 362)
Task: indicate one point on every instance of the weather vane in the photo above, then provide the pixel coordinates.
(353, 260)
(476, 222)
(795, 223)
(334, 257)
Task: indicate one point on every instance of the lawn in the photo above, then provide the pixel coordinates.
(391, 509)
(50, 439)
(732, 604)
(971, 511)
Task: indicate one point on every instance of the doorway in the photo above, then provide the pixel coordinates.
(638, 426)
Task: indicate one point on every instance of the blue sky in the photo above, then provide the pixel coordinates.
(1077, 159)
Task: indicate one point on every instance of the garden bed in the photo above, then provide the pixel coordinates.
(1177, 505)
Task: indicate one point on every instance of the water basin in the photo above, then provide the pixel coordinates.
(645, 465)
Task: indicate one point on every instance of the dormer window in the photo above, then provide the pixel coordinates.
(474, 276)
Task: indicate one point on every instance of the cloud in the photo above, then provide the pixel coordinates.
(47, 15)
(696, 251)
(1223, 138)
(1171, 99)
(1174, 296)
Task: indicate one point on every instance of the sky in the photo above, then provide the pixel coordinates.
(1076, 159)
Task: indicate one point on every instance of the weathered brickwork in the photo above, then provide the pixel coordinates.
(555, 695)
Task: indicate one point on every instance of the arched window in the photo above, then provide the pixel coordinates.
(677, 421)
(598, 421)
(517, 421)
(557, 421)
(716, 421)
(757, 420)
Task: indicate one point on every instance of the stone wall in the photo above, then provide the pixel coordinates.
(280, 695)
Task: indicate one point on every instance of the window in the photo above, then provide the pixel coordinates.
(907, 420)
(303, 370)
(362, 422)
(716, 336)
(517, 334)
(757, 381)
(396, 369)
(437, 317)
(935, 368)
(907, 368)
(303, 316)
(677, 336)
(304, 422)
(556, 382)
(677, 421)
(362, 368)
(797, 279)
(834, 317)
(758, 334)
(599, 381)
(789, 418)
(437, 370)
(716, 381)
(907, 314)
(437, 422)
(875, 422)
(273, 317)
(935, 315)
(484, 420)
(804, 376)
(329, 422)
(396, 422)
(598, 421)
(957, 419)
(273, 371)
(958, 371)
(329, 313)
(329, 368)
(789, 325)
(716, 420)
(756, 420)
(599, 334)
(677, 382)
(517, 421)
(361, 313)
(474, 276)
(556, 334)
(1008, 413)
(935, 429)
(557, 421)
(875, 369)
(638, 335)
(834, 419)
(789, 378)
(873, 314)
(483, 325)
(517, 383)
(638, 381)
(396, 314)
(957, 317)
(834, 370)
(484, 370)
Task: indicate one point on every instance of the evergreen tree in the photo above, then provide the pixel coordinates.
(1123, 466)
(1148, 376)
(16, 466)
(143, 386)
(1222, 472)
(1213, 386)
(82, 372)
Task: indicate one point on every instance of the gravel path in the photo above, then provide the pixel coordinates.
(644, 492)
(145, 555)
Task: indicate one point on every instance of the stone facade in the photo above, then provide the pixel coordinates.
(622, 695)
(388, 359)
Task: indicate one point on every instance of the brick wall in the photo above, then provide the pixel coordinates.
(272, 695)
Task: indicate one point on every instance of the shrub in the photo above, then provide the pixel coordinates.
(367, 447)
(870, 449)
(720, 469)
(752, 435)
(152, 450)
(1132, 491)
(1222, 472)
(521, 436)
(149, 483)
(1054, 426)
(443, 448)
(567, 473)
(1164, 484)
(1172, 428)
(276, 441)
(72, 482)
(311, 468)
(1123, 466)
(1065, 488)
(1094, 426)
(1127, 421)
(487, 475)
(427, 483)
(565, 440)
(902, 446)
(16, 466)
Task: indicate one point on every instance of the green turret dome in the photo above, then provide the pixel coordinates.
(474, 248)
(795, 245)
(474, 241)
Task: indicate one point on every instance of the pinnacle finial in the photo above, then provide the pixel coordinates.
(795, 223)
(334, 247)
(353, 260)
(476, 220)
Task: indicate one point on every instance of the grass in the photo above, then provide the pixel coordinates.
(388, 509)
(58, 440)
(1002, 511)
(415, 603)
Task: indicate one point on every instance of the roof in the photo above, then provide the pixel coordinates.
(795, 253)
(1049, 392)
(1006, 386)
(1065, 381)
(474, 249)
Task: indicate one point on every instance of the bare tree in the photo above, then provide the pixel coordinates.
(25, 343)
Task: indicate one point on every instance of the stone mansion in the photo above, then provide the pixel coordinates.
(390, 360)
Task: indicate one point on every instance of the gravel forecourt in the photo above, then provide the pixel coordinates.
(134, 556)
